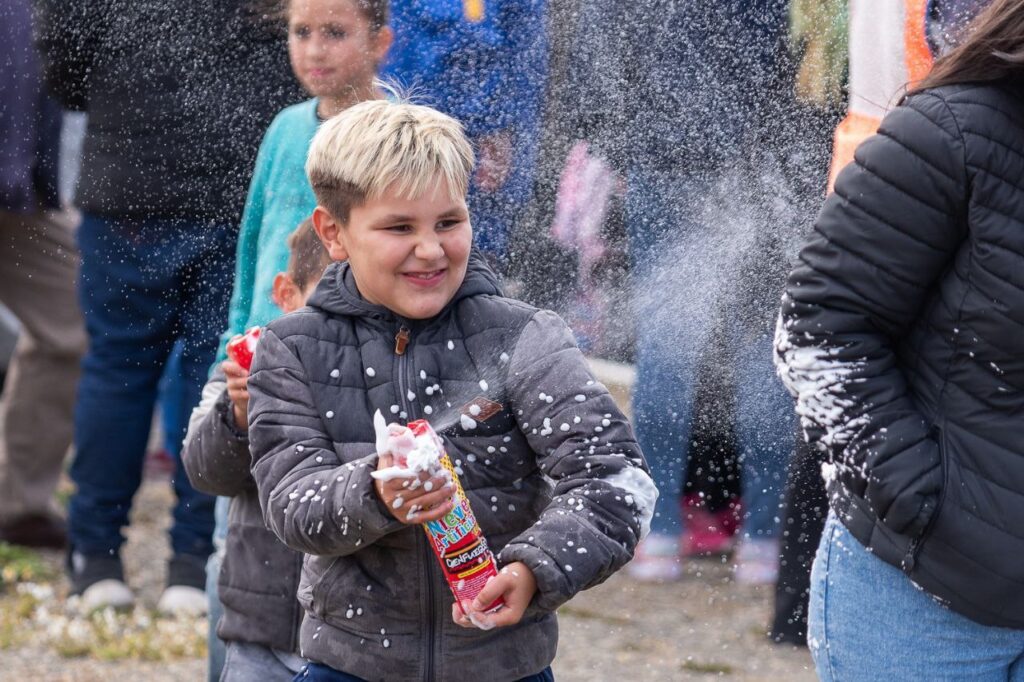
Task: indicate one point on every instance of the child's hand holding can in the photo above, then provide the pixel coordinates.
(514, 585)
(415, 499)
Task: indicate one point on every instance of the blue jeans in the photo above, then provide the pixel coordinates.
(169, 392)
(868, 621)
(246, 662)
(316, 672)
(216, 651)
(678, 285)
(143, 285)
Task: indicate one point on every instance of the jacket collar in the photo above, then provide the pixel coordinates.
(337, 293)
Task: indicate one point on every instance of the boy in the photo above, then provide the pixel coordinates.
(413, 324)
(259, 576)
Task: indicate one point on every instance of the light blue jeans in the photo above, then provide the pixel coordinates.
(867, 621)
(685, 271)
(248, 662)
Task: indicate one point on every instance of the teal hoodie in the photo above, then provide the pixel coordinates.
(279, 199)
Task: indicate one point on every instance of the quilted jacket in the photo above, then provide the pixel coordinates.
(554, 475)
(900, 334)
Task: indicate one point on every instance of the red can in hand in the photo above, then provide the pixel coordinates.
(456, 538)
(242, 347)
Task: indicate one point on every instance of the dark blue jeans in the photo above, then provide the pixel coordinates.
(144, 284)
(315, 672)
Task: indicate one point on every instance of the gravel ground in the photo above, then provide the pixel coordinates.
(702, 627)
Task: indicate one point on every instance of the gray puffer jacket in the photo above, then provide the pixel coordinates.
(555, 476)
(259, 576)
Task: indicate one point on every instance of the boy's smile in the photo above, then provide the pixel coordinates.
(408, 255)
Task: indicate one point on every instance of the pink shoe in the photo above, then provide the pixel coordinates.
(707, 533)
(656, 560)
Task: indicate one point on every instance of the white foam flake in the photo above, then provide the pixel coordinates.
(335, 373)
(466, 422)
(451, 345)
(371, 372)
(474, 410)
(483, 386)
(580, 397)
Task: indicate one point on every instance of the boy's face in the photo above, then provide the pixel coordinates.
(408, 255)
(332, 49)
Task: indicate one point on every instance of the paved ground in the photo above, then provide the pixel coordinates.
(703, 627)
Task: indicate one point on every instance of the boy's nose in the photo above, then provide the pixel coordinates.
(429, 248)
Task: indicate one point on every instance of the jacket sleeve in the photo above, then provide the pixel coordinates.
(247, 253)
(69, 33)
(317, 496)
(216, 454)
(603, 494)
(880, 246)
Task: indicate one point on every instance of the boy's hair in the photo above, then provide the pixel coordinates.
(373, 145)
(377, 12)
(308, 258)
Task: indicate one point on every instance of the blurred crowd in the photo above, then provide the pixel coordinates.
(648, 170)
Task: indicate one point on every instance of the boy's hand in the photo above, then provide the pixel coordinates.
(238, 391)
(414, 500)
(515, 583)
(494, 163)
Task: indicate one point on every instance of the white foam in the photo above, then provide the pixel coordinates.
(636, 482)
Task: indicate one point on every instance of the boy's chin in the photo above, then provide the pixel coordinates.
(423, 309)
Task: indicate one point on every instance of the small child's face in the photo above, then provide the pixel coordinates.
(332, 49)
(408, 255)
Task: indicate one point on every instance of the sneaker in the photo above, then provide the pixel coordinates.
(182, 600)
(99, 580)
(757, 562)
(185, 594)
(40, 531)
(656, 560)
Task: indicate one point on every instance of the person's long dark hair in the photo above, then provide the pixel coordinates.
(992, 49)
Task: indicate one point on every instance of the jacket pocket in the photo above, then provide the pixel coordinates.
(914, 549)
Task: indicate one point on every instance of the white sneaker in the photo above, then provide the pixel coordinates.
(110, 592)
(182, 600)
(757, 561)
(657, 560)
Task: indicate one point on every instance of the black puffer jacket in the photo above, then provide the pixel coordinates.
(901, 336)
(178, 95)
(377, 605)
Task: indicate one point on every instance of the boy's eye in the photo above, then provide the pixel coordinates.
(448, 224)
(401, 229)
(335, 33)
(300, 31)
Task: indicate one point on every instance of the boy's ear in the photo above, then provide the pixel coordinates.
(330, 232)
(285, 293)
(381, 44)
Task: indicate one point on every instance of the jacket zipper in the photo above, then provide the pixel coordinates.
(402, 340)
